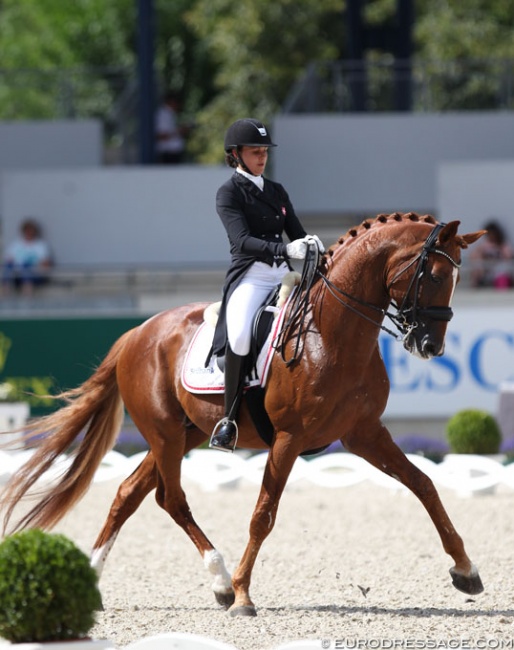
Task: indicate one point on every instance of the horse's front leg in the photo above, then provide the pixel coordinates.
(281, 459)
(377, 447)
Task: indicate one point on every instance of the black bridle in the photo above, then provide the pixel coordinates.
(407, 315)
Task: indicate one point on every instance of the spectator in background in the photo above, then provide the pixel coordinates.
(27, 260)
(492, 259)
(170, 143)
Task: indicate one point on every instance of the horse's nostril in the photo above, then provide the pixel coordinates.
(430, 349)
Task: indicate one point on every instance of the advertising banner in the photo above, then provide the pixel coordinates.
(478, 359)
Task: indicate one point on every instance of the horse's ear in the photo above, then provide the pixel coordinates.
(472, 237)
(448, 231)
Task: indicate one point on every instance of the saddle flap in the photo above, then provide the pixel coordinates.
(197, 377)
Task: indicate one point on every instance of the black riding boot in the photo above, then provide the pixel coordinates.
(224, 436)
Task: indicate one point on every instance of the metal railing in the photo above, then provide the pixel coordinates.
(105, 280)
(108, 94)
(344, 86)
(111, 93)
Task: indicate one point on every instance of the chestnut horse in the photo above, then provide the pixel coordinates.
(328, 383)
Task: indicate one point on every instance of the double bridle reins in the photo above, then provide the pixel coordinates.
(406, 316)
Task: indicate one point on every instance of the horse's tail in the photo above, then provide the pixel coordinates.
(95, 407)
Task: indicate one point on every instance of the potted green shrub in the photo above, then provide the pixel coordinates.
(474, 438)
(48, 591)
(472, 431)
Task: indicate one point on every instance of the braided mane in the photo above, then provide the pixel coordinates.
(370, 223)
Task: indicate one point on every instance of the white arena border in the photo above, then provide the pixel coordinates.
(465, 474)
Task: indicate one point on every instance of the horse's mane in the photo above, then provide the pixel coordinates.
(378, 221)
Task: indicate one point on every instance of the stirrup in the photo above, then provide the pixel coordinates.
(224, 440)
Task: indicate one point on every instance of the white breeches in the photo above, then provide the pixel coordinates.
(246, 299)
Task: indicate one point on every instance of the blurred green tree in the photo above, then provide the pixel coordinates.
(260, 49)
(231, 59)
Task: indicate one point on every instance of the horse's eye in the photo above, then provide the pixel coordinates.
(436, 279)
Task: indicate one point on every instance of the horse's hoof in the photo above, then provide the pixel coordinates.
(244, 610)
(469, 585)
(226, 599)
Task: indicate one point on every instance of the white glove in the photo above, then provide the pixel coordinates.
(297, 249)
(318, 242)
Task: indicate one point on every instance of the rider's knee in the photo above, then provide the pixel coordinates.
(240, 344)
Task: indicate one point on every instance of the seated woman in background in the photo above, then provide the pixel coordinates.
(27, 260)
(492, 259)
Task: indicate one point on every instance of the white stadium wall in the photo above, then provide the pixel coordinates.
(476, 191)
(121, 216)
(48, 144)
(372, 163)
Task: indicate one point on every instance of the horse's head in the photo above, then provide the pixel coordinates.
(421, 280)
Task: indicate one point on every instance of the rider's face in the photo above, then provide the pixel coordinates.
(255, 158)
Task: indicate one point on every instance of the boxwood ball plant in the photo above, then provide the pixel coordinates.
(48, 590)
(473, 431)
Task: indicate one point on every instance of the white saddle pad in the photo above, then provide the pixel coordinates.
(199, 378)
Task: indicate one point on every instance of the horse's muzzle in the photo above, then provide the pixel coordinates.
(430, 349)
(424, 347)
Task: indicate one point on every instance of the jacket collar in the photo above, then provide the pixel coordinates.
(261, 195)
(258, 181)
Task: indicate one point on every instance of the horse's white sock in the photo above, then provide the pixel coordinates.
(99, 555)
(214, 562)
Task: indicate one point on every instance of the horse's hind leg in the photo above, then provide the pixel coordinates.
(377, 447)
(170, 496)
(129, 497)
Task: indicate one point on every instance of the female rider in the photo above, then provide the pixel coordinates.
(255, 212)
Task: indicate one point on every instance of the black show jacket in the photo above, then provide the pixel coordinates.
(254, 220)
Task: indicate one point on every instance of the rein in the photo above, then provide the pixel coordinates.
(400, 319)
(300, 303)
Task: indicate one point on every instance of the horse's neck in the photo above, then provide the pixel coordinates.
(360, 273)
(358, 302)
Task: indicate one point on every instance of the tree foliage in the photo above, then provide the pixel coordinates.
(42, 41)
(446, 30)
(229, 59)
(183, 62)
(475, 41)
(260, 49)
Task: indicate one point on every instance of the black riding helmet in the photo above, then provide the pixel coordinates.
(247, 132)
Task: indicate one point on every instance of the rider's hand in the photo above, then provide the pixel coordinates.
(297, 249)
(318, 242)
